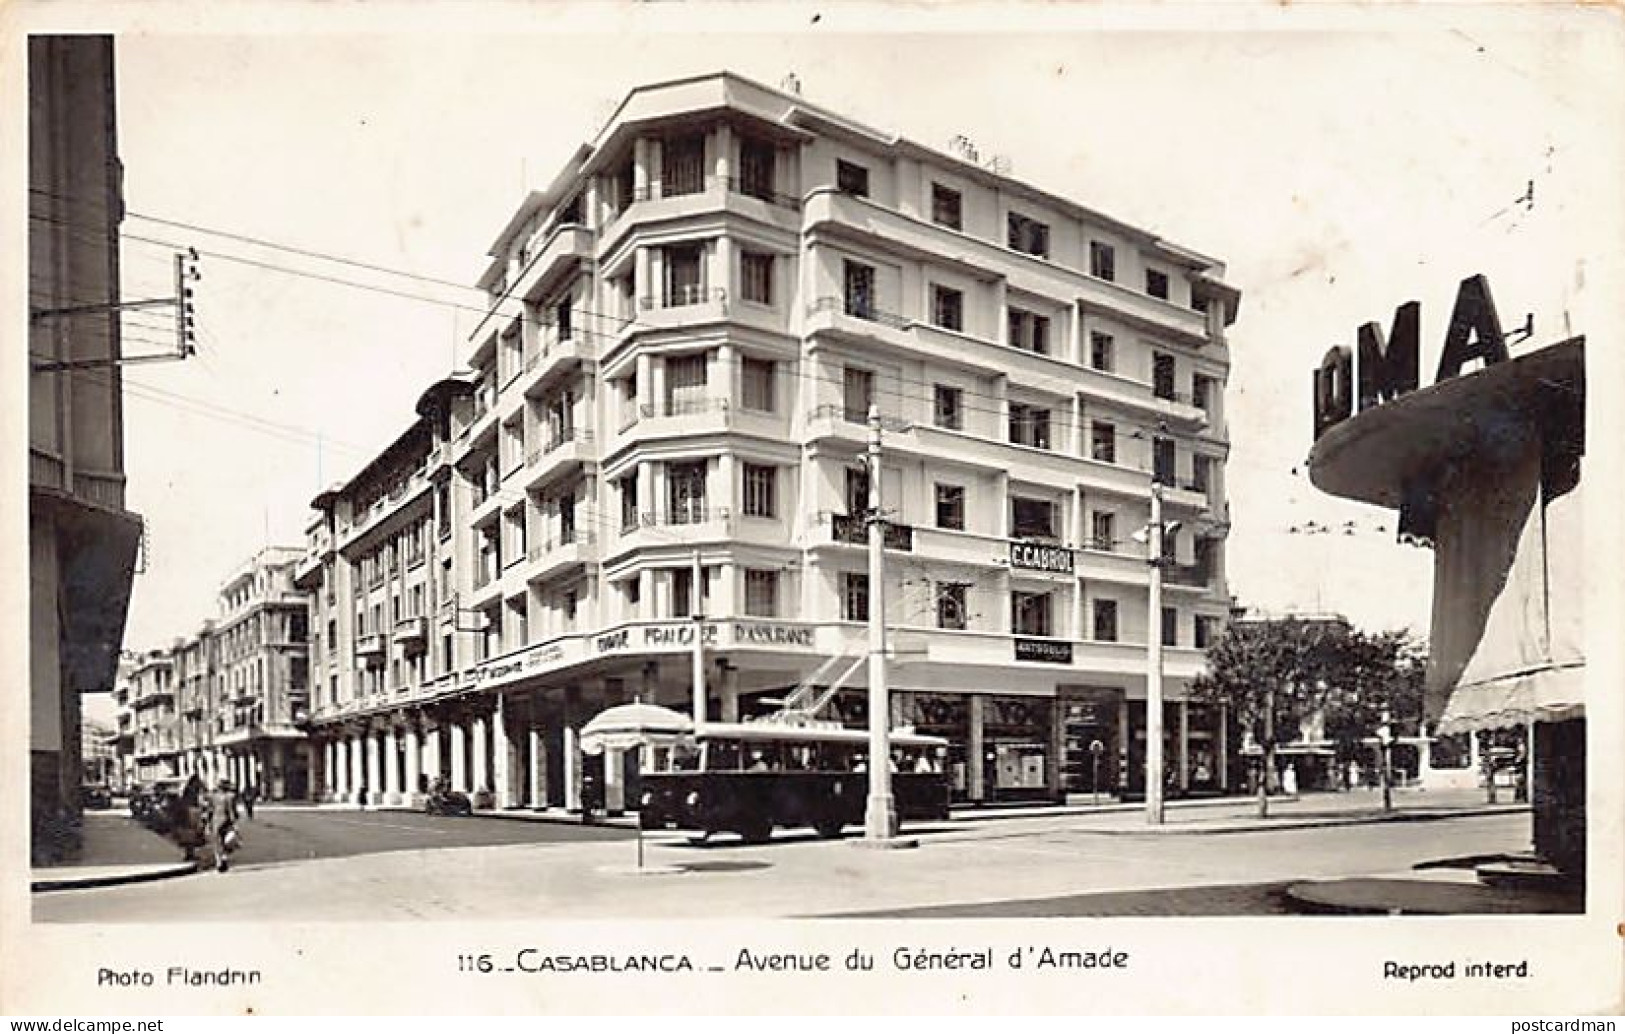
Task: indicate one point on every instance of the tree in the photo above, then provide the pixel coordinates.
(1275, 674)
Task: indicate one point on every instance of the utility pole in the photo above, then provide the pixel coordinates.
(1153, 675)
(696, 595)
(880, 817)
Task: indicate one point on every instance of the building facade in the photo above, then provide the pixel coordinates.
(687, 331)
(155, 717)
(82, 541)
(231, 701)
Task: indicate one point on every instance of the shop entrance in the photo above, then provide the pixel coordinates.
(1090, 741)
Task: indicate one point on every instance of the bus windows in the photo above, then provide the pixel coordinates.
(721, 756)
(683, 757)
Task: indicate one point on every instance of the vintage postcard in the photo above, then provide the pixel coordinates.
(673, 508)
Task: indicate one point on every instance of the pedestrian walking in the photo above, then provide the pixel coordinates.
(222, 824)
(189, 829)
(250, 794)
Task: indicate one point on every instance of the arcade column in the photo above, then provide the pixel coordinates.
(974, 749)
(414, 759)
(501, 755)
(458, 745)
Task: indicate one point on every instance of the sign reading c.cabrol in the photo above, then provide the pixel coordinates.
(1034, 556)
(1387, 368)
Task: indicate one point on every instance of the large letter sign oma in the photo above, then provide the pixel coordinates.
(1387, 367)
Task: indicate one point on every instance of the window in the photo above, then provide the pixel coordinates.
(951, 610)
(949, 408)
(633, 587)
(761, 593)
(756, 169)
(1204, 631)
(1103, 441)
(1156, 283)
(682, 592)
(569, 604)
(854, 597)
(851, 178)
(629, 503)
(760, 485)
(858, 393)
(945, 207)
(1029, 331)
(682, 166)
(683, 276)
(756, 277)
(1106, 621)
(1162, 460)
(1028, 235)
(1029, 425)
(567, 518)
(1162, 375)
(951, 507)
(685, 384)
(857, 491)
(1206, 559)
(1201, 472)
(1170, 626)
(1102, 261)
(756, 384)
(947, 307)
(1104, 530)
(561, 319)
(685, 492)
(1030, 613)
(1201, 392)
(1102, 351)
(1032, 518)
(859, 282)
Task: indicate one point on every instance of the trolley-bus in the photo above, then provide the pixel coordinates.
(750, 778)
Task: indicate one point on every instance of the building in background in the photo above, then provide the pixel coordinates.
(82, 541)
(98, 752)
(231, 701)
(155, 721)
(687, 330)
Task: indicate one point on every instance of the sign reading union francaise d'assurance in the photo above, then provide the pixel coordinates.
(1035, 556)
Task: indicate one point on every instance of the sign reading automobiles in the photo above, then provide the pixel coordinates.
(1049, 651)
(1034, 556)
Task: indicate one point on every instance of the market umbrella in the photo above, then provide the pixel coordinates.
(626, 726)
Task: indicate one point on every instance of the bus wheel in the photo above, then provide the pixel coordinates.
(757, 831)
(830, 829)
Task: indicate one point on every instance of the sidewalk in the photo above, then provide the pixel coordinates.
(117, 849)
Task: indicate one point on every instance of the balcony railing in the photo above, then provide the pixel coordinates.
(855, 531)
(412, 631)
(682, 407)
(692, 186)
(1186, 574)
(861, 309)
(682, 515)
(681, 295)
(374, 645)
(540, 550)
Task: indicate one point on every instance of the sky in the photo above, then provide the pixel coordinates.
(1337, 171)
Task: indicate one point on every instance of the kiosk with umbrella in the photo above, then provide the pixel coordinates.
(635, 726)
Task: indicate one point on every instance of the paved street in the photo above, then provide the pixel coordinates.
(1050, 865)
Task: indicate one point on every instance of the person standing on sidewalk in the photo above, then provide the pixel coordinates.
(250, 793)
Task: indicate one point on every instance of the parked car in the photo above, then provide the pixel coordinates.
(156, 804)
(94, 796)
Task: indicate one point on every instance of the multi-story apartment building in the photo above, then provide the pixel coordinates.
(82, 541)
(155, 716)
(248, 681)
(687, 331)
(232, 700)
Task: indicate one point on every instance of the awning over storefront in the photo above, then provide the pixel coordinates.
(1485, 468)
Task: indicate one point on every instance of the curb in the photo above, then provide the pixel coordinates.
(520, 815)
(114, 879)
(1267, 826)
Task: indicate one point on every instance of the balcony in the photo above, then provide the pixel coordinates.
(672, 418)
(552, 557)
(561, 453)
(412, 634)
(562, 246)
(1178, 409)
(372, 648)
(557, 355)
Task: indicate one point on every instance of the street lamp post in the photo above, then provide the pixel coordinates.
(1385, 742)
